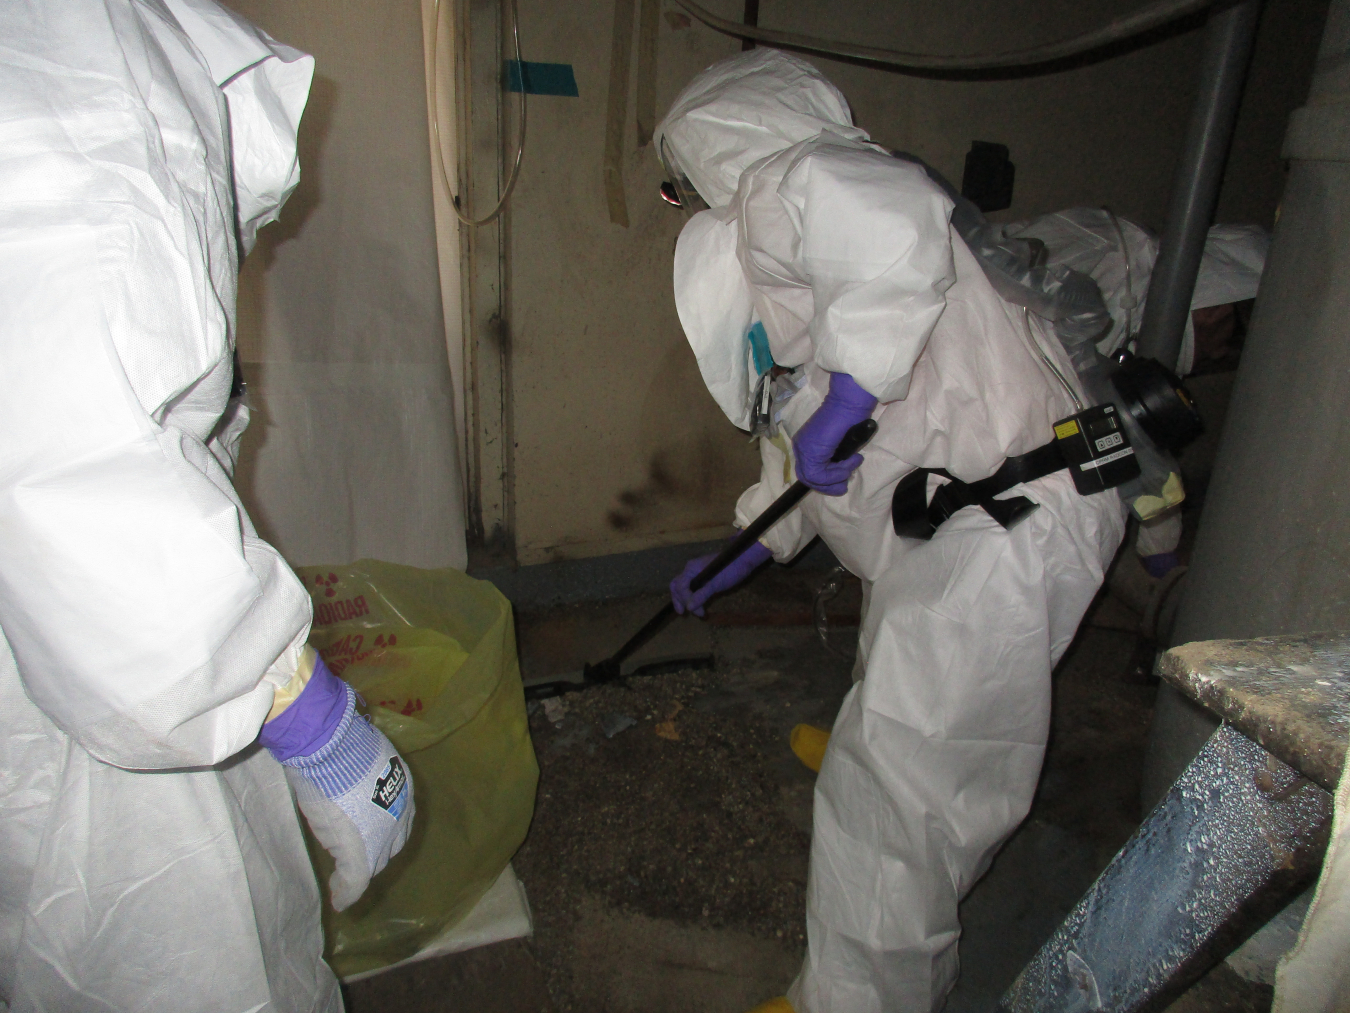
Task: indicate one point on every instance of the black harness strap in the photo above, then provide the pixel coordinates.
(915, 517)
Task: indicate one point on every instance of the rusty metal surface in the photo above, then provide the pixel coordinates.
(1291, 694)
(1238, 836)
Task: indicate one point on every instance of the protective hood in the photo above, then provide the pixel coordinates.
(1115, 252)
(744, 109)
(266, 85)
(716, 310)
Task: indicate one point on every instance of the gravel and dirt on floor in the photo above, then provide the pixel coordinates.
(677, 817)
(666, 864)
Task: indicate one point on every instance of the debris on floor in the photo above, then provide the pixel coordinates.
(679, 822)
(666, 865)
(613, 723)
(666, 729)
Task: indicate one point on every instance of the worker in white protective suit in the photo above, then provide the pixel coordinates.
(828, 265)
(150, 854)
(1119, 256)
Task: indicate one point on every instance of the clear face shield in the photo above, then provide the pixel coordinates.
(677, 190)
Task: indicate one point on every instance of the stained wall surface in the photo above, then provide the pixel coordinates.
(618, 444)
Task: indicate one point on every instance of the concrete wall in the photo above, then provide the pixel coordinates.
(618, 445)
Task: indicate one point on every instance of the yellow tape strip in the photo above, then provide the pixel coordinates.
(621, 45)
(646, 72)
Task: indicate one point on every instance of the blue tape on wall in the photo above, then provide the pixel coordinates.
(541, 78)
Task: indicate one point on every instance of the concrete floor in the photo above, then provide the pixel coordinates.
(666, 866)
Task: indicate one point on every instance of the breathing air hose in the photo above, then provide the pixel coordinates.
(495, 213)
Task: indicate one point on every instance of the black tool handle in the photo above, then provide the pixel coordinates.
(857, 437)
(853, 441)
(639, 638)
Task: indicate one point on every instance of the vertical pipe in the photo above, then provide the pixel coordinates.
(1195, 188)
(752, 19)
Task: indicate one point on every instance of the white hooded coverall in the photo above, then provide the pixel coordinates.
(150, 856)
(845, 254)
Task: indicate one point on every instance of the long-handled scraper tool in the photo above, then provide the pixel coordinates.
(608, 670)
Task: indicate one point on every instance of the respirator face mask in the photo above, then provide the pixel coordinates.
(677, 190)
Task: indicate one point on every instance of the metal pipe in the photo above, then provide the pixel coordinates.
(1226, 52)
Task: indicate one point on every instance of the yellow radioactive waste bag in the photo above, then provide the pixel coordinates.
(433, 655)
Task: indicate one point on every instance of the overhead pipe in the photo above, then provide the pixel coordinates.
(1146, 19)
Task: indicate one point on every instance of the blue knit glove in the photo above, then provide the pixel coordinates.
(356, 793)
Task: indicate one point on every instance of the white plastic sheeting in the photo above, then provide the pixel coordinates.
(1119, 256)
(353, 452)
(354, 460)
(502, 913)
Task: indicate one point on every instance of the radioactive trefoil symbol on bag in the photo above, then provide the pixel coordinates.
(389, 794)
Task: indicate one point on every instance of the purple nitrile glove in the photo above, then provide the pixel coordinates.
(844, 407)
(1160, 564)
(736, 571)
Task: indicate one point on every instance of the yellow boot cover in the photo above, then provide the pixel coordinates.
(809, 743)
(780, 1005)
